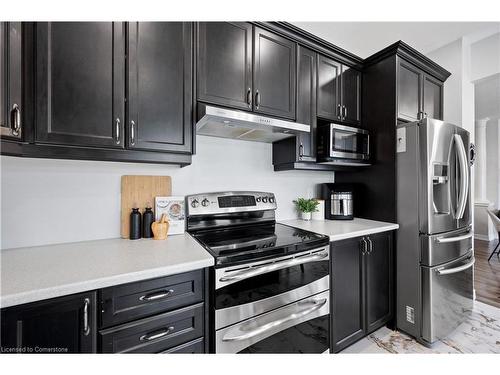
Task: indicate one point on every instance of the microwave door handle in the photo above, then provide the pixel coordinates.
(447, 271)
(464, 176)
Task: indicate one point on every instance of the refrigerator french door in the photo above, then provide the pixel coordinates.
(434, 258)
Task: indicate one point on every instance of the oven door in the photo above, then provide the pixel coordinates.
(282, 299)
(299, 327)
(348, 143)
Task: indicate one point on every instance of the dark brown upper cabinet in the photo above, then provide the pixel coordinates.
(160, 86)
(339, 91)
(351, 95)
(274, 74)
(432, 97)
(306, 102)
(419, 94)
(10, 80)
(328, 88)
(246, 67)
(225, 64)
(80, 83)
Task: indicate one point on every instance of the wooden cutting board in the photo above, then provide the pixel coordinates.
(140, 191)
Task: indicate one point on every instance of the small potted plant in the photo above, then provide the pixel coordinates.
(306, 207)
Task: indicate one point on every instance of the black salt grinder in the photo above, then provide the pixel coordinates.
(147, 220)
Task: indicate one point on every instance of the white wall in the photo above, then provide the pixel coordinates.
(485, 57)
(50, 201)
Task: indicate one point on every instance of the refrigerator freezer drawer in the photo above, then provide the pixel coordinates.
(442, 248)
(447, 297)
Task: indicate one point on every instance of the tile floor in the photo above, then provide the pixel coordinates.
(479, 334)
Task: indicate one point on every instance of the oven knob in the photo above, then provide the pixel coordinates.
(195, 203)
(271, 199)
(205, 202)
(264, 199)
(258, 199)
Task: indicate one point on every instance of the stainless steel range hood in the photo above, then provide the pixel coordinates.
(228, 123)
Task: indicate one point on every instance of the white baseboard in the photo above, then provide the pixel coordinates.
(482, 237)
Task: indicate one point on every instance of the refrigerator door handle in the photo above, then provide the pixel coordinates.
(454, 239)
(464, 176)
(444, 271)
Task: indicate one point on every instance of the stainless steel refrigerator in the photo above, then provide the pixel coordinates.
(434, 259)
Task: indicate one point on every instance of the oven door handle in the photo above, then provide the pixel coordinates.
(444, 271)
(316, 305)
(250, 272)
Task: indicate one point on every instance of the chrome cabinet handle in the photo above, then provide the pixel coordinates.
(454, 239)
(155, 296)
(363, 246)
(16, 119)
(339, 111)
(444, 271)
(250, 272)
(156, 334)
(257, 99)
(249, 97)
(117, 130)
(370, 245)
(86, 326)
(345, 112)
(301, 150)
(132, 132)
(262, 328)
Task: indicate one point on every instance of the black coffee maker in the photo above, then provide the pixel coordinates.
(339, 200)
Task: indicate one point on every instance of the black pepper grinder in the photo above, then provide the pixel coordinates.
(147, 220)
(135, 224)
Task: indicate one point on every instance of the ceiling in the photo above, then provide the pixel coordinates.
(366, 38)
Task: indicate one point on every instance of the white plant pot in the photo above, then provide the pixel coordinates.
(305, 215)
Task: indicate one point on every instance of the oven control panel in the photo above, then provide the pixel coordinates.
(226, 202)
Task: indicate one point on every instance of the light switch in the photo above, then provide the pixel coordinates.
(401, 139)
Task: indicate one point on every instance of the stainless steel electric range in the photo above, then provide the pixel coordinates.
(270, 283)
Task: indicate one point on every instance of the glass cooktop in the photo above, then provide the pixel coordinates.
(244, 244)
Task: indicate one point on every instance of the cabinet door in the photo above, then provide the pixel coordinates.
(80, 83)
(60, 325)
(432, 97)
(378, 280)
(225, 64)
(347, 293)
(10, 80)
(409, 92)
(274, 74)
(328, 89)
(160, 86)
(306, 102)
(351, 95)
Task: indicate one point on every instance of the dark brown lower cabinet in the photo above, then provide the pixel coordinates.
(162, 315)
(361, 285)
(60, 325)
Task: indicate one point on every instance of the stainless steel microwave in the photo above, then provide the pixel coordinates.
(343, 145)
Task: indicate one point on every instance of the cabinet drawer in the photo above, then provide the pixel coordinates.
(192, 347)
(128, 302)
(155, 334)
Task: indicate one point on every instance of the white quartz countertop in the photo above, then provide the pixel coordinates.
(36, 273)
(342, 229)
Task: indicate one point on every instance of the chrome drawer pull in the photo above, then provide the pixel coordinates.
(156, 334)
(444, 271)
(250, 272)
(317, 304)
(454, 239)
(155, 296)
(86, 326)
